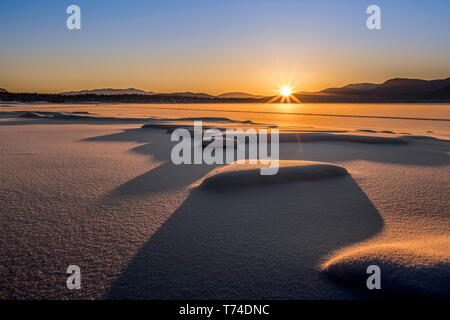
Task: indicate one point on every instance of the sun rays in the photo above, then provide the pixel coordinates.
(285, 96)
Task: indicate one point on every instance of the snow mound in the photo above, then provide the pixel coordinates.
(238, 175)
(316, 137)
(205, 119)
(415, 267)
(30, 114)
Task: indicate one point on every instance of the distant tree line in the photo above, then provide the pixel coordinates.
(123, 98)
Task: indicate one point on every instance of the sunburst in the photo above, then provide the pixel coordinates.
(285, 96)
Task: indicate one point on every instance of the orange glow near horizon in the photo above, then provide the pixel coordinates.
(225, 46)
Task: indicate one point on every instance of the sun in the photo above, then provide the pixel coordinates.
(286, 95)
(286, 91)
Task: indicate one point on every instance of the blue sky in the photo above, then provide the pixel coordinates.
(217, 46)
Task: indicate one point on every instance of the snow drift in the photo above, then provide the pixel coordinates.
(247, 175)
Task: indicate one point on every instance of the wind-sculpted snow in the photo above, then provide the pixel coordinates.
(299, 137)
(414, 267)
(87, 185)
(321, 136)
(238, 175)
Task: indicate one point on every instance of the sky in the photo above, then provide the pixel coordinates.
(217, 46)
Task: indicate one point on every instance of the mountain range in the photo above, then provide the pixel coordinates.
(393, 90)
(397, 90)
(239, 95)
(110, 91)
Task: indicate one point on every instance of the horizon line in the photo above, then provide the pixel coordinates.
(211, 94)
